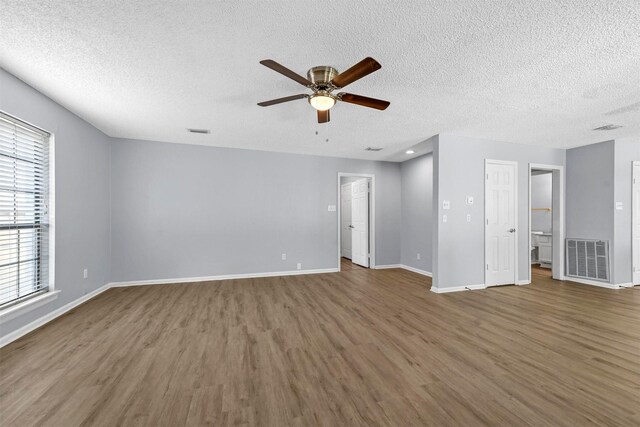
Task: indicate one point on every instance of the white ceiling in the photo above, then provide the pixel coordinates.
(541, 72)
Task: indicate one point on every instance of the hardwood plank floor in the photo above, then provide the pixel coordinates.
(361, 347)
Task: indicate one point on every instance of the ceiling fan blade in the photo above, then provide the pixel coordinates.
(363, 68)
(323, 116)
(378, 104)
(281, 100)
(269, 63)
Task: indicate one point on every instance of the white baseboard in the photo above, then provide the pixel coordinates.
(404, 267)
(12, 336)
(592, 283)
(626, 285)
(523, 282)
(222, 277)
(458, 288)
(417, 270)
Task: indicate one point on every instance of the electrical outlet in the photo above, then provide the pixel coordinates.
(468, 217)
(417, 256)
(299, 266)
(284, 257)
(444, 218)
(85, 273)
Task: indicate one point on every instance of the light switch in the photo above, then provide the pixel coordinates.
(331, 208)
(469, 200)
(444, 218)
(446, 204)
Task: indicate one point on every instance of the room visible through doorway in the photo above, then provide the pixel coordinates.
(546, 224)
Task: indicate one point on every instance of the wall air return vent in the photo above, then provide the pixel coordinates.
(588, 259)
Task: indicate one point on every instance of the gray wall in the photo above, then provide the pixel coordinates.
(459, 164)
(590, 193)
(82, 182)
(625, 152)
(541, 197)
(193, 211)
(417, 212)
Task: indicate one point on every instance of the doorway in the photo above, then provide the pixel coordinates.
(356, 220)
(501, 215)
(546, 221)
(635, 226)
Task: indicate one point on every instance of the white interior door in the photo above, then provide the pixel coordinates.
(360, 222)
(345, 220)
(636, 223)
(500, 223)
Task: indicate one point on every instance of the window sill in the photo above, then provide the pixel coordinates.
(25, 307)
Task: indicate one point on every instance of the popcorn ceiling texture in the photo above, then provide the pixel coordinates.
(535, 72)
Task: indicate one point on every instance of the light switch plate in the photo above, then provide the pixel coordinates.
(469, 200)
(331, 208)
(446, 204)
(619, 206)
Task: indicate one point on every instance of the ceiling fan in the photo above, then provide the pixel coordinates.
(323, 80)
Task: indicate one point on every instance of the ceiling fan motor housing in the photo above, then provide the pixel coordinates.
(321, 76)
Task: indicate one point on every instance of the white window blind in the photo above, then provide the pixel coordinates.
(24, 197)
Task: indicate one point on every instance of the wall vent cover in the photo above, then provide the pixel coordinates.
(199, 130)
(373, 149)
(588, 259)
(608, 127)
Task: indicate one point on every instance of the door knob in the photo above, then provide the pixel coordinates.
(513, 230)
(351, 226)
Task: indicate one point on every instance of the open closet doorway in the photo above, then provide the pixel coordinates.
(546, 221)
(356, 217)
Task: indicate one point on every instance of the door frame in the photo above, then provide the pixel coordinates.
(558, 245)
(633, 230)
(516, 214)
(372, 215)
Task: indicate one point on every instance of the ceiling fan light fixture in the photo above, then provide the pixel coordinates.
(322, 101)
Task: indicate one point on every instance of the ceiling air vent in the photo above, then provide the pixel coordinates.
(608, 127)
(373, 149)
(199, 130)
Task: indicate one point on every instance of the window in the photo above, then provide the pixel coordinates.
(24, 224)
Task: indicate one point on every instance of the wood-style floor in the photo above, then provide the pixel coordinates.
(361, 347)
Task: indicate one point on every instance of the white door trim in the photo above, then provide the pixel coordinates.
(515, 198)
(372, 215)
(558, 243)
(633, 230)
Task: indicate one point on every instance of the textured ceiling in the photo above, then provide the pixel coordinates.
(536, 72)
